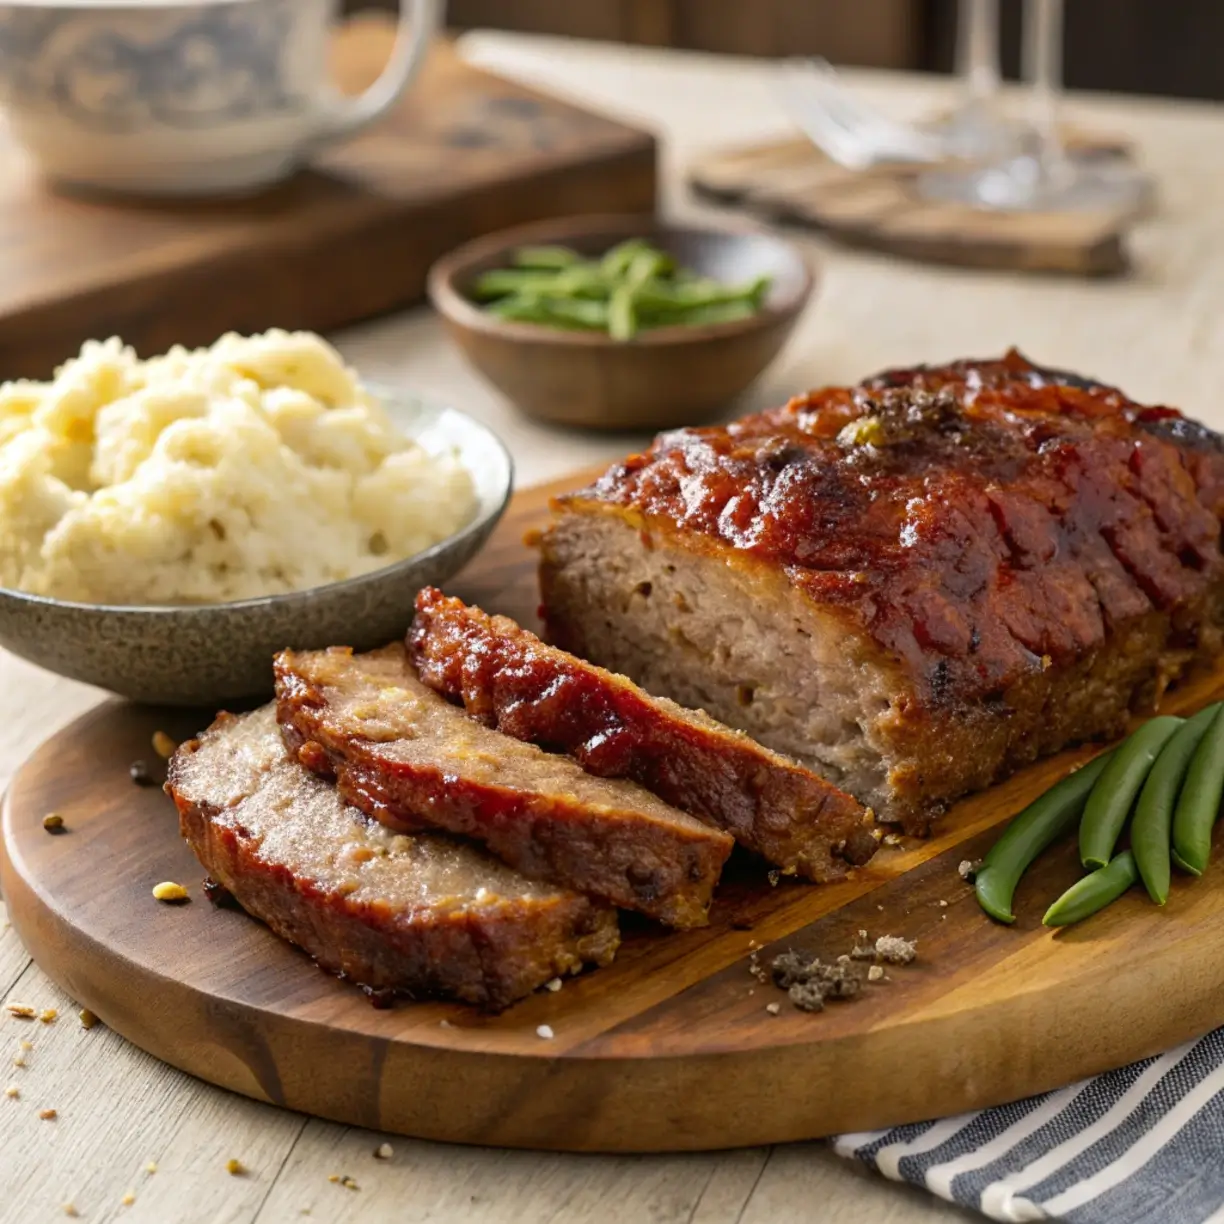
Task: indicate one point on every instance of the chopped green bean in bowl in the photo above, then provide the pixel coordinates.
(622, 322)
(631, 288)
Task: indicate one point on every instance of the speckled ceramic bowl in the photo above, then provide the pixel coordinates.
(210, 654)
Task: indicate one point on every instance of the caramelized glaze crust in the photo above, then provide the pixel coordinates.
(509, 679)
(980, 522)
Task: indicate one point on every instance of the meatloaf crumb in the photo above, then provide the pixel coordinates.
(420, 914)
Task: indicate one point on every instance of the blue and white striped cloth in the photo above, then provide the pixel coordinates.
(1139, 1145)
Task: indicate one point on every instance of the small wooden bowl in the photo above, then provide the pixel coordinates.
(664, 377)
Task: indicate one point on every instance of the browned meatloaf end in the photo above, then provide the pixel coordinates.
(509, 679)
(403, 753)
(422, 914)
(916, 585)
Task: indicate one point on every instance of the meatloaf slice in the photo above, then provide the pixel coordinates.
(915, 585)
(420, 914)
(404, 754)
(509, 679)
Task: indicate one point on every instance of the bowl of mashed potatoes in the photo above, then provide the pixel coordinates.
(167, 524)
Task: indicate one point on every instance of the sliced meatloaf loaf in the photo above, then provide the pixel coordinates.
(421, 914)
(404, 754)
(917, 584)
(509, 679)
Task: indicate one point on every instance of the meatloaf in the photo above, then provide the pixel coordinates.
(404, 754)
(508, 679)
(420, 914)
(917, 584)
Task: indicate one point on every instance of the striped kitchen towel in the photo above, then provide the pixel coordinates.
(1139, 1145)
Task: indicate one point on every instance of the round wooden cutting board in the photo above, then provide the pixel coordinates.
(675, 1046)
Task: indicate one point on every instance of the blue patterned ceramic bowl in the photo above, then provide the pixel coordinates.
(209, 654)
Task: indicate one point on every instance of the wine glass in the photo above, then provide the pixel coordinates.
(1040, 176)
(976, 129)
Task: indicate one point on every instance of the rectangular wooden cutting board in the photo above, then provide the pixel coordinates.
(464, 154)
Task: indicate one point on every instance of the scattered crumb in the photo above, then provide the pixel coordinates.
(969, 868)
(138, 771)
(333, 1177)
(21, 1011)
(875, 973)
(169, 891)
(753, 945)
(48, 1115)
(19, 1061)
(943, 904)
(1046, 662)
(444, 1024)
(891, 839)
(943, 917)
(773, 877)
(348, 1183)
(807, 996)
(235, 1168)
(773, 1008)
(384, 1151)
(895, 950)
(70, 1210)
(791, 966)
(129, 1198)
(53, 822)
(545, 1031)
(48, 1015)
(880, 908)
(163, 745)
(151, 1167)
(553, 985)
(751, 992)
(88, 1019)
(12, 1091)
(26, 1045)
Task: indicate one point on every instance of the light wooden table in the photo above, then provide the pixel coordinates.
(1160, 335)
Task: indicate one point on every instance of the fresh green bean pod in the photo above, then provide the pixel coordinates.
(622, 316)
(1198, 805)
(1110, 802)
(1152, 825)
(1093, 892)
(1037, 827)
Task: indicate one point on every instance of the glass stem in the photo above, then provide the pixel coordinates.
(1042, 65)
(977, 48)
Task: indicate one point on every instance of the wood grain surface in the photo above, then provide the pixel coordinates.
(465, 153)
(881, 209)
(671, 1048)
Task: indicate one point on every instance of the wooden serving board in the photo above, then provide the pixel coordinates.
(465, 153)
(671, 1047)
(792, 181)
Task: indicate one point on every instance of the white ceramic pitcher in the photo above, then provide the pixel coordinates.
(185, 97)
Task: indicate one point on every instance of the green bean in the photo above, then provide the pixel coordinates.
(1036, 828)
(631, 288)
(553, 257)
(622, 320)
(1093, 892)
(1151, 828)
(1198, 805)
(1110, 802)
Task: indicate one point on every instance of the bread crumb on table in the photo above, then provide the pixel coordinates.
(895, 950)
(968, 868)
(70, 1210)
(545, 1031)
(235, 1168)
(773, 1008)
(128, 1199)
(384, 1151)
(48, 1015)
(875, 973)
(151, 1167)
(48, 1115)
(26, 1045)
(163, 745)
(21, 1011)
(12, 1091)
(19, 1061)
(554, 985)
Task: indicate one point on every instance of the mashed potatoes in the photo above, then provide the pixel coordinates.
(250, 468)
